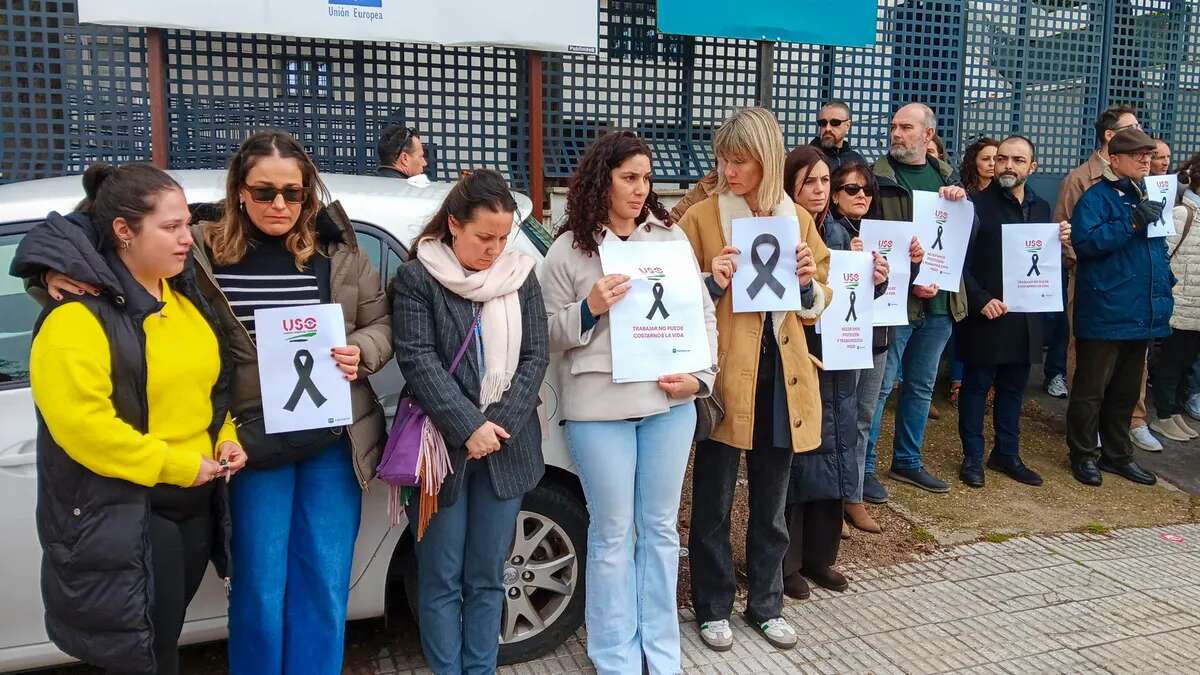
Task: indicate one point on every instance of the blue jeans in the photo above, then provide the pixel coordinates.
(461, 575)
(1009, 381)
(918, 346)
(632, 474)
(1057, 333)
(293, 544)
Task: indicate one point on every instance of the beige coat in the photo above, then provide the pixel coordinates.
(708, 225)
(1185, 264)
(589, 394)
(1070, 190)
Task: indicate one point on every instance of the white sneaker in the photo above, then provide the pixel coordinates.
(1057, 387)
(1142, 438)
(778, 632)
(717, 635)
(1181, 422)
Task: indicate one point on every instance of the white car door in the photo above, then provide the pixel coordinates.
(21, 563)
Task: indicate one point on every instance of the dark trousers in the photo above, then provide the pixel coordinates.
(1009, 381)
(180, 551)
(1056, 333)
(814, 535)
(1173, 371)
(714, 476)
(1107, 385)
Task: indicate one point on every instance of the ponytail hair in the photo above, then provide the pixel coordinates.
(129, 192)
(482, 188)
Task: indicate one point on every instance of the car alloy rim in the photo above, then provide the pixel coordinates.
(539, 578)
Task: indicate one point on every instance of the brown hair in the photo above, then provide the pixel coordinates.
(968, 173)
(227, 237)
(804, 158)
(482, 188)
(129, 192)
(842, 177)
(1189, 174)
(587, 195)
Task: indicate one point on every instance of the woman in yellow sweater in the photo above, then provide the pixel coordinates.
(133, 431)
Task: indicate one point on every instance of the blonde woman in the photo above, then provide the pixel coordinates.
(766, 379)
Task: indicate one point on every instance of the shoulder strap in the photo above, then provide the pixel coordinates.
(466, 341)
(1187, 227)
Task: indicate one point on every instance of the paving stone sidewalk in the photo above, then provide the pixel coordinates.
(1124, 602)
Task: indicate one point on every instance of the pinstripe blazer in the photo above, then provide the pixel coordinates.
(429, 323)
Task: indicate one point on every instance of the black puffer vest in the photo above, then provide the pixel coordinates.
(97, 582)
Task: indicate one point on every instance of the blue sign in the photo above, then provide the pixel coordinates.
(358, 3)
(848, 23)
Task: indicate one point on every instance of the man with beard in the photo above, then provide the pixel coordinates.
(996, 346)
(931, 311)
(833, 125)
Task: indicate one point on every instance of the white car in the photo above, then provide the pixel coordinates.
(544, 575)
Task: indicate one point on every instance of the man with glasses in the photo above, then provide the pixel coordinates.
(1123, 302)
(401, 153)
(833, 125)
(1110, 122)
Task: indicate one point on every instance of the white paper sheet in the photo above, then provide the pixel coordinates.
(944, 229)
(846, 322)
(302, 387)
(658, 328)
(891, 239)
(1032, 265)
(765, 280)
(1162, 189)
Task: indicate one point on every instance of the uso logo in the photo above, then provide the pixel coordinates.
(300, 330)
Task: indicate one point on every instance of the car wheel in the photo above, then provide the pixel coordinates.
(543, 575)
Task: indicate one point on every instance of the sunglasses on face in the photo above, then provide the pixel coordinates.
(831, 122)
(853, 189)
(266, 195)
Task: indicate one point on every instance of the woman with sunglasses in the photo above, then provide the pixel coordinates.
(823, 478)
(853, 189)
(296, 506)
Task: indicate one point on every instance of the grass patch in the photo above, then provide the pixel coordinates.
(1097, 528)
(997, 537)
(924, 536)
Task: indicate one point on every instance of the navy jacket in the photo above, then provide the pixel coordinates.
(1123, 283)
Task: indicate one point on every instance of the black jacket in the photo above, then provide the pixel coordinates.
(429, 323)
(1015, 337)
(391, 172)
(97, 583)
(840, 155)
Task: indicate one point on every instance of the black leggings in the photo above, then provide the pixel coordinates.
(180, 551)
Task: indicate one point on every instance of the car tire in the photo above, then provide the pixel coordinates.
(564, 544)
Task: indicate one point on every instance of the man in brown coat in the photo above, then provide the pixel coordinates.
(1111, 121)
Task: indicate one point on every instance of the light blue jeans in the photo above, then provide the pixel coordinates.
(293, 545)
(632, 474)
(918, 348)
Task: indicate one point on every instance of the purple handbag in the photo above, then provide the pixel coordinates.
(400, 465)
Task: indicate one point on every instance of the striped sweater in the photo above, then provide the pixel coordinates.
(264, 278)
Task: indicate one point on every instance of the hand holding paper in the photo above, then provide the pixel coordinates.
(944, 225)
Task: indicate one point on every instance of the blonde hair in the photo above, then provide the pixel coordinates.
(755, 133)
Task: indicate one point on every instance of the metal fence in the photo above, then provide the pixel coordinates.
(72, 94)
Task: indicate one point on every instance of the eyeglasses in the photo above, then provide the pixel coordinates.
(853, 189)
(831, 122)
(266, 195)
(1135, 125)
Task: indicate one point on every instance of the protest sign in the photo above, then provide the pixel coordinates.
(891, 239)
(1162, 189)
(944, 228)
(302, 387)
(765, 280)
(1032, 264)
(846, 322)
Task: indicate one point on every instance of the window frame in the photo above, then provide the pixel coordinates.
(20, 227)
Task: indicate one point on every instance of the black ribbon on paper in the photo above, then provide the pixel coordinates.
(851, 315)
(937, 243)
(765, 270)
(658, 305)
(303, 363)
(1034, 271)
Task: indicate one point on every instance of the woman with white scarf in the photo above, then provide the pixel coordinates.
(463, 289)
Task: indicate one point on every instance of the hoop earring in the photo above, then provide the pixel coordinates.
(124, 244)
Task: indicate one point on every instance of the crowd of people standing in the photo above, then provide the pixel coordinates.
(145, 377)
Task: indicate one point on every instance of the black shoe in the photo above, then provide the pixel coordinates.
(796, 587)
(1086, 472)
(873, 490)
(1015, 469)
(920, 478)
(971, 473)
(1129, 471)
(828, 578)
